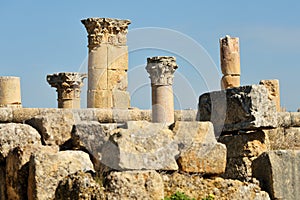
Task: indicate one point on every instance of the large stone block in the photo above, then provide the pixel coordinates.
(242, 149)
(79, 186)
(97, 79)
(117, 80)
(273, 91)
(22, 114)
(55, 126)
(278, 173)
(245, 144)
(6, 114)
(150, 148)
(100, 98)
(121, 99)
(198, 187)
(91, 137)
(188, 133)
(98, 57)
(17, 169)
(13, 135)
(246, 107)
(47, 169)
(117, 57)
(203, 159)
(135, 185)
(284, 138)
(295, 119)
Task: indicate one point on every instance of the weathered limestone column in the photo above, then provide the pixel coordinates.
(161, 70)
(230, 62)
(68, 86)
(107, 63)
(273, 91)
(10, 91)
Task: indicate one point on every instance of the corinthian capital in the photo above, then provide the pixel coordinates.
(106, 30)
(161, 69)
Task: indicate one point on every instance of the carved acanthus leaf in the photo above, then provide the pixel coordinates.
(161, 69)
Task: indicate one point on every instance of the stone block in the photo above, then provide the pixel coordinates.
(100, 99)
(13, 135)
(295, 119)
(239, 168)
(273, 91)
(121, 99)
(22, 114)
(199, 187)
(79, 186)
(150, 147)
(47, 169)
(17, 169)
(245, 144)
(117, 57)
(278, 173)
(284, 119)
(117, 80)
(185, 115)
(188, 133)
(230, 81)
(135, 185)
(203, 159)
(55, 126)
(98, 57)
(91, 137)
(284, 138)
(97, 79)
(243, 108)
(6, 114)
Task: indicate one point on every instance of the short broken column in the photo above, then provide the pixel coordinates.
(273, 91)
(230, 62)
(10, 91)
(161, 70)
(107, 63)
(68, 86)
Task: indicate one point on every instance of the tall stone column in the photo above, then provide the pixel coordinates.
(107, 63)
(68, 86)
(161, 70)
(230, 62)
(10, 91)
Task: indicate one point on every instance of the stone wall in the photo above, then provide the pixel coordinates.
(119, 154)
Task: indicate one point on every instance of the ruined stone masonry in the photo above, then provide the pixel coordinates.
(236, 145)
(107, 63)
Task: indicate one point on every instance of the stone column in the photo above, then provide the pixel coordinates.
(161, 70)
(273, 91)
(10, 91)
(230, 62)
(107, 63)
(68, 86)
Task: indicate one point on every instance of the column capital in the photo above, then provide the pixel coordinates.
(66, 80)
(161, 69)
(106, 30)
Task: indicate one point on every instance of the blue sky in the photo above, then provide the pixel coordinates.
(45, 37)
